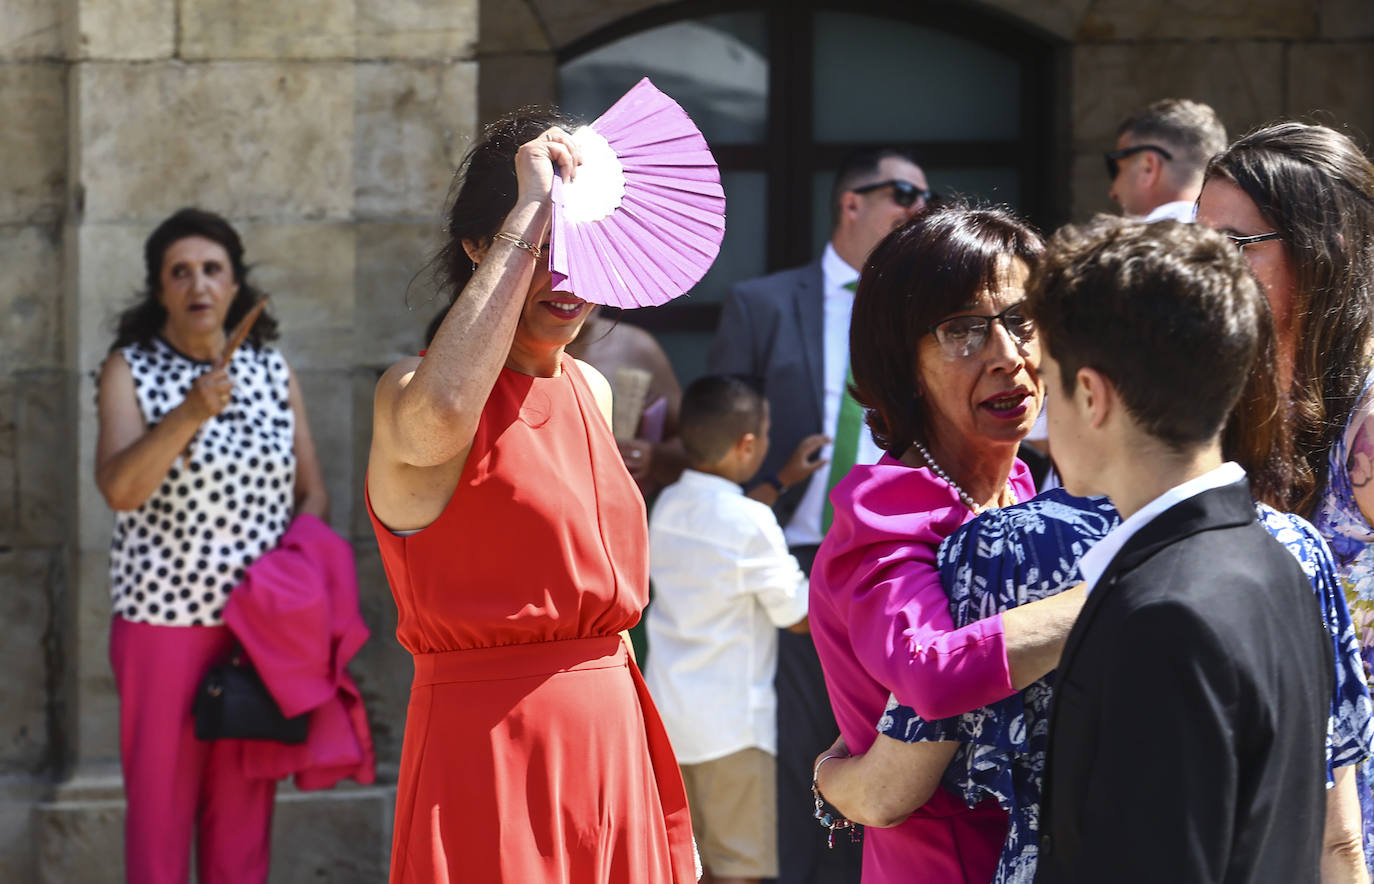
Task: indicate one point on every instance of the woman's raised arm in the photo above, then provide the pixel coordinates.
(426, 412)
(131, 460)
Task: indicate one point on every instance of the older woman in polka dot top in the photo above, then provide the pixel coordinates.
(205, 462)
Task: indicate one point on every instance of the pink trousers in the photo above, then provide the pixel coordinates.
(174, 783)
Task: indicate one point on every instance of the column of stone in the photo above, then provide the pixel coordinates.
(325, 130)
(36, 445)
(415, 109)
(163, 116)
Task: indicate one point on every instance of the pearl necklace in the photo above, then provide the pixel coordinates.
(963, 495)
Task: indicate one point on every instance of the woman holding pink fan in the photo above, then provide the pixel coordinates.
(514, 540)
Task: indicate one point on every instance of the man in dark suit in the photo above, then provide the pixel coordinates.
(791, 330)
(1188, 728)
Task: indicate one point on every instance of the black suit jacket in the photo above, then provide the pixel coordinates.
(772, 329)
(1188, 729)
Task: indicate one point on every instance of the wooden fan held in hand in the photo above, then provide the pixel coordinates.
(236, 339)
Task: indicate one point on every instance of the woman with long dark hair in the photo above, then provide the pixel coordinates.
(1298, 200)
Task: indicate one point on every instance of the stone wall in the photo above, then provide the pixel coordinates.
(36, 448)
(327, 130)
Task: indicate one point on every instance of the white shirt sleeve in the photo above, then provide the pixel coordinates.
(772, 574)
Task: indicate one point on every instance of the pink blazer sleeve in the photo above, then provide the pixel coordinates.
(910, 643)
(880, 576)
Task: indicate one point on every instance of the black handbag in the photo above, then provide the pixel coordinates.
(232, 703)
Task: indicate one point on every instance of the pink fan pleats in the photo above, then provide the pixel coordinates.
(667, 231)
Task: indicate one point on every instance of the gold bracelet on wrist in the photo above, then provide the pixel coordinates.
(520, 243)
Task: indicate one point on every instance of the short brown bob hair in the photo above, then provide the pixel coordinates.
(934, 265)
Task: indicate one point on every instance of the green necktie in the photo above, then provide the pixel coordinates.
(846, 447)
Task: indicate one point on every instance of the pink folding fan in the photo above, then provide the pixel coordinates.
(644, 218)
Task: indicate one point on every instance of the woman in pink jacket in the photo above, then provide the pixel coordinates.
(947, 365)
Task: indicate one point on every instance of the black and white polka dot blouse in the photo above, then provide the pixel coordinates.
(174, 560)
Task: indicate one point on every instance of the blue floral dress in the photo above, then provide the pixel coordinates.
(1351, 538)
(1018, 554)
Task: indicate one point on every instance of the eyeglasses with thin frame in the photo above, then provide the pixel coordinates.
(1113, 156)
(1240, 242)
(961, 336)
(904, 193)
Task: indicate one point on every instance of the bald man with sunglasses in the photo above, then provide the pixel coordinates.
(791, 331)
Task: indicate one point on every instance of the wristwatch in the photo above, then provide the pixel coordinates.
(772, 479)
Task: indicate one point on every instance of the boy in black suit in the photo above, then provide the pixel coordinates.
(1190, 709)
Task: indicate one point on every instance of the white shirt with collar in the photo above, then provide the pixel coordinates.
(1179, 210)
(1095, 561)
(724, 583)
(804, 528)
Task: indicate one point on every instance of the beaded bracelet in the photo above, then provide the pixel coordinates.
(833, 822)
(520, 243)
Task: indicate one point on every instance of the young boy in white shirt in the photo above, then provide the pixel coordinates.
(724, 583)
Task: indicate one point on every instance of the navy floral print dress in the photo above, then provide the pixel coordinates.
(1018, 554)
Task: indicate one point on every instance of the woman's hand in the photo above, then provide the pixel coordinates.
(638, 455)
(536, 160)
(209, 395)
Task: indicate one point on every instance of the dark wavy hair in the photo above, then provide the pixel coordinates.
(143, 321)
(486, 189)
(930, 267)
(1316, 189)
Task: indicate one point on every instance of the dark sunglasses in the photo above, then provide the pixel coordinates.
(904, 193)
(1114, 155)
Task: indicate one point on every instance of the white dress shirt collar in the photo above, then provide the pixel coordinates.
(834, 269)
(708, 483)
(1179, 210)
(1095, 561)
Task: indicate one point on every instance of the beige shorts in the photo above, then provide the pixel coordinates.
(734, 803)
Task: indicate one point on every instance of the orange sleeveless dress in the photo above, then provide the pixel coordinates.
(532, 752)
